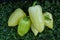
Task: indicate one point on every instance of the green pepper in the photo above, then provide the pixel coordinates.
(24, 26)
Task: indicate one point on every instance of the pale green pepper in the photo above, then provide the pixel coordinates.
(36, 16)
(34, 30)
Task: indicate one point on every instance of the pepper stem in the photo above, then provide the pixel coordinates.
(34, 3)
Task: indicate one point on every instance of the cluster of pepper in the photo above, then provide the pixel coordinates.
(36, 20)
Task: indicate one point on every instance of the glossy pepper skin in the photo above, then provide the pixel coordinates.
(15, 17)
(36, 16)
(48, 20)
(24, 26)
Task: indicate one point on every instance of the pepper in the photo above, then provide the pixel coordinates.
(24, 26)
(36, 16)
(48, 20)
(15, 17)
(34, 30)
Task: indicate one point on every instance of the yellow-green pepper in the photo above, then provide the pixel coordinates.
(15, 17)
(48, 20)
(24, 26)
